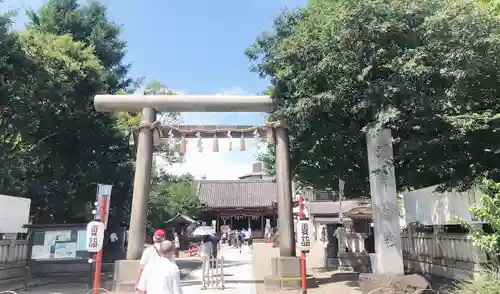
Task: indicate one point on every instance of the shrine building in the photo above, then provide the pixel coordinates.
(250, 202)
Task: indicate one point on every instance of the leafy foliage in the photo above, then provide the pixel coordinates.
(485, 282)
(426, 69)
(172, 195)
(488, 210)
(55, 147)
(88, 24)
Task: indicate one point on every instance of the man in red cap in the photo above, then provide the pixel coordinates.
(151, 252)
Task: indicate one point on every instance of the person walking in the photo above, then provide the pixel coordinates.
(161, 275)
(215, 249)
(151, 252)
(206, 252)
(241, 239)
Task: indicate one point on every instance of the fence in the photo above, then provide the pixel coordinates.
(457, 247)
(13, 255)
(441, 254)
(13, 250)
(212, 272)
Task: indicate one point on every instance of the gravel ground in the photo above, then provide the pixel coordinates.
(328, 282)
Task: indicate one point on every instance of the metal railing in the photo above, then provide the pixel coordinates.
(212, 272)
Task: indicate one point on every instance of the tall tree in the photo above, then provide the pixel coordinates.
(88, 24)
(171, 195)
(71, 147)
(10, 140)
(427, 69)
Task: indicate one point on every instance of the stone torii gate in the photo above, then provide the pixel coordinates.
(287, 265)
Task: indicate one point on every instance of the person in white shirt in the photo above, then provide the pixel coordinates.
(151, 252)
(161, 275)
(206, 252)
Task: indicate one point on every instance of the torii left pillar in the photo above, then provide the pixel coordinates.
(142, 186)
(126, 270)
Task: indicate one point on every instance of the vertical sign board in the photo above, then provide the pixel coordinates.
(104, 191)
(95, 236)
(304, 235)
(389, 258)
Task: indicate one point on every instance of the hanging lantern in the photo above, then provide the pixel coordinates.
(230, 137)
(216, 144)
(242, 142)
(270, 136)
(199, 144)
(182, 145)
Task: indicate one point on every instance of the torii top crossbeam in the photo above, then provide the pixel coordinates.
(183, 103)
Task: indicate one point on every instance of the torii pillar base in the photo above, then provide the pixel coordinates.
(125, 276)
(285, 273)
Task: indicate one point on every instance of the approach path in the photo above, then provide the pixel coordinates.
(238, 274)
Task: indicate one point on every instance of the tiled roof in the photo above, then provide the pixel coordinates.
(181, 218)
(237, 193)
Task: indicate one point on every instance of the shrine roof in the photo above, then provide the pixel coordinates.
(181, 218)
(238, 193)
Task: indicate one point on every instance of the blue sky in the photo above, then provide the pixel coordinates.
(194, 47)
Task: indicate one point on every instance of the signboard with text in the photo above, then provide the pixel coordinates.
(95, 236)
(304, 232)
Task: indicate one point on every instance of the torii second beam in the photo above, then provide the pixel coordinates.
(183, 103)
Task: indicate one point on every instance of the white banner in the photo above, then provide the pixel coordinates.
(104, 191)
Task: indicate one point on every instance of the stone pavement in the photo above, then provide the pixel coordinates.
(328, 281)
(243, 272)
(238, 274)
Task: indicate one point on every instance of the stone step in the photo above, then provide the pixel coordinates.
(125, 287)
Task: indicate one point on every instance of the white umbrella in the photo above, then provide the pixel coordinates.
(203, 230)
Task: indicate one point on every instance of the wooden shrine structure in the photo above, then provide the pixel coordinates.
(240, 204)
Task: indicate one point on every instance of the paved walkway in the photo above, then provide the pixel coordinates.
(328, 282)
(238, 274)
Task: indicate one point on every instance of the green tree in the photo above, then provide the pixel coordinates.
(67, 147)
(426, 69)
(88, 24)
(58, 147)
(171, 195)
(10, 140)
(70, 147)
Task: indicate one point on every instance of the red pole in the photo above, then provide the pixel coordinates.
(303, 270)
(98, 256)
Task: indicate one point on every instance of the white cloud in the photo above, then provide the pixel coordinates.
(232, 91)
(222, 165)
